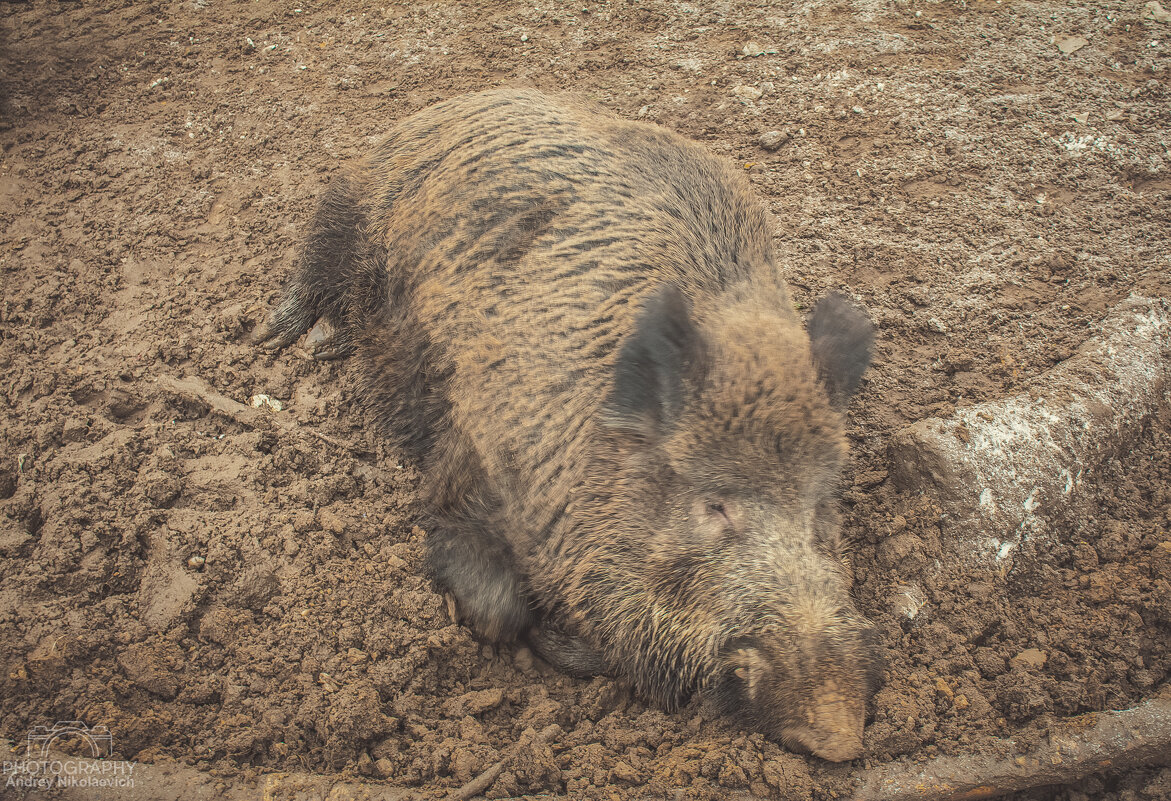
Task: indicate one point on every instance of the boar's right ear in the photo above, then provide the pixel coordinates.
(841, 338)
(655, 366)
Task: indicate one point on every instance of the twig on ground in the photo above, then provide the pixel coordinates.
(485, 779)
(197, 389)
(1077, 747)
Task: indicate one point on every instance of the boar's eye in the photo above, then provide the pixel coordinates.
(720, 512)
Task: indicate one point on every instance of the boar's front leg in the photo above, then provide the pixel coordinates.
(333, 269)
(465, 551)
(475, 566)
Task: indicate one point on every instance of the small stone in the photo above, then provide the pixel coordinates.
(772, 140)
(384, 767)
(258, 401)
(753, 49)
(1029, 659)
(1071, 44)
(196, 562)
(745, 92)
(356, 656)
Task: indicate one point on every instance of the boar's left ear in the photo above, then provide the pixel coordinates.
(657, 364)
(841, 338)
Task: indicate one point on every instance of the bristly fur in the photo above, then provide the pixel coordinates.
(632, 445)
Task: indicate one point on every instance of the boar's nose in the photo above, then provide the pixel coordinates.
(836, 733)
(839, 748)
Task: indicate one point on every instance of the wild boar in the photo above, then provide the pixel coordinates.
(578, 324)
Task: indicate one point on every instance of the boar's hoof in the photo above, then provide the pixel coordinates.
(269, 335)
(572, 656)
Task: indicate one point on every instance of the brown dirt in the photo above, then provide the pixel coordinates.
(251, 600)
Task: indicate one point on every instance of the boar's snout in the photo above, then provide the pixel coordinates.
(835, 733)
(805, 689)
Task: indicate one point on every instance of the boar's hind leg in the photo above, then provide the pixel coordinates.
(328, 270)
(475, 566)
(573, 656)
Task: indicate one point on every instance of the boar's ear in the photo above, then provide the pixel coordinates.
(655, 366)
(841, 337)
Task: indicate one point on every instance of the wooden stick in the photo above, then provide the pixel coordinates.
(197, 389)
(1077, 747)
(485, 779)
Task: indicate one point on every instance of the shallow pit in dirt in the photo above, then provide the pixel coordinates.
(249, 599)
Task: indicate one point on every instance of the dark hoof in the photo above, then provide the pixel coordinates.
(271, 337)
(323, 343)
(571, 655)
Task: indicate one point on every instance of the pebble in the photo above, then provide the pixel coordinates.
(772, 140)
(196, 562)
(753, 49)
(943, 690)
(264, 400)
(747, 92)
(365, 764)
(1071, 44)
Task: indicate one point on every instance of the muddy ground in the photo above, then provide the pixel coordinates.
(248, 599)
